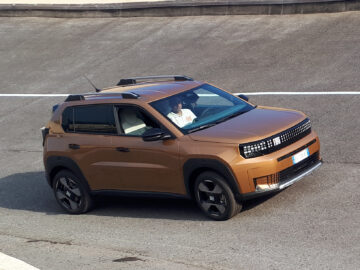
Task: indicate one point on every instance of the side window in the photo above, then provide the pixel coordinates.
(68, 119)
(134, 122)
(94, 119)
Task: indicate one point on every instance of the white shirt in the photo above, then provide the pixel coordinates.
(186, 117)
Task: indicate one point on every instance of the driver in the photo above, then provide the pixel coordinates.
(190, 101)
(181, 117)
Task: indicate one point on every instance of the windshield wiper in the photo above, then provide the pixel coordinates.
(217, 122)
(201, 127)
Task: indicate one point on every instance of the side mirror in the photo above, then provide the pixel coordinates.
(243, 97)
(155, 134)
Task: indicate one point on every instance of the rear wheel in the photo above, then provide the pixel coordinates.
(214, 196)
(72, 193)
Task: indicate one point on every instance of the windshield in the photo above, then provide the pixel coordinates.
(200, 108)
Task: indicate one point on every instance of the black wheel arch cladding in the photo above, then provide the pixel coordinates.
(193, 167)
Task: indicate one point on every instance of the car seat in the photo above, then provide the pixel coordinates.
(130, 122)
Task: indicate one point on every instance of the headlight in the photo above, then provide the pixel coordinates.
(253, 150)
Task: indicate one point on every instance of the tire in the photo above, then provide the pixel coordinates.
(214, 196)
(72, 193)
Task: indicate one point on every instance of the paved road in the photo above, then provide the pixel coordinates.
(312, 224)
(99, 2)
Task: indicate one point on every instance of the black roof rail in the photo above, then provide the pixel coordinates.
(126, 82)
(130, 81)
(125, 95)
(129, 95)
(74, 98)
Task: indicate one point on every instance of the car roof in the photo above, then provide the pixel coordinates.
(145, 92)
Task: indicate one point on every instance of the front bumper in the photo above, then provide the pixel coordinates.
(297, 177)
(285, 183)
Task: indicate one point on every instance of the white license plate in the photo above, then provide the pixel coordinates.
(300, 156)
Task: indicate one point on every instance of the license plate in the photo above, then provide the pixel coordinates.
(300, 156)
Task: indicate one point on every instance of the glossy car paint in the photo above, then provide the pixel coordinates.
(158, 166)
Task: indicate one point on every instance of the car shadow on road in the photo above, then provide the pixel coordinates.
(250, 204)
(27, 191)
(143, 207)
(30, 191)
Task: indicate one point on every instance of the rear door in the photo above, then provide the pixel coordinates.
(89, 133)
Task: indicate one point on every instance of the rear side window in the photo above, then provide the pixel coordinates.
(67, 122)
(94, 119)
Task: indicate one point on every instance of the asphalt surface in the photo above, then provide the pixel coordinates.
(313, 224)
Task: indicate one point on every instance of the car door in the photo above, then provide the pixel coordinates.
(144, 166)
(89, 132)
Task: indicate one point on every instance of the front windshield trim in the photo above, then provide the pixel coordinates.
(233, 111)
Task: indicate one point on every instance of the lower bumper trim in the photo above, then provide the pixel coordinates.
(301, 175)
(282, 185)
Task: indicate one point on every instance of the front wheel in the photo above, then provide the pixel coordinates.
(72, 193)
(214, 196)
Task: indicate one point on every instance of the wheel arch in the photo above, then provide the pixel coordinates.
(54, 164)
(194, 167)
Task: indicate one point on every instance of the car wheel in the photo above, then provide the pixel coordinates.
(72, 193)
(214, 196)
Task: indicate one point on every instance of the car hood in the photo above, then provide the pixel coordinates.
(254, 125)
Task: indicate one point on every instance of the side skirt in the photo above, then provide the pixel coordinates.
(145, 194)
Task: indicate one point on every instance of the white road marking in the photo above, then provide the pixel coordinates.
(290, 93)
(245, 93)
(34, 95)
(10, 263)
(301, 93)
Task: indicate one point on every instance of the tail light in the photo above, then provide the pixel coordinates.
(44, 132)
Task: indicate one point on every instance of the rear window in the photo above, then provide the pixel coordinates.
(94, 119)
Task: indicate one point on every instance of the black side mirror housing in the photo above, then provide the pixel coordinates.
(243, 97)
(155, 134)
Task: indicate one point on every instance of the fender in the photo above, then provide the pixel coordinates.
(54, 164)
(195, 166)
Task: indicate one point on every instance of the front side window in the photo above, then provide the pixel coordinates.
(201, 107)
(133, 121)
(94, 119)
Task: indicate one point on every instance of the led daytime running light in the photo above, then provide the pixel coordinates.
(273, 143)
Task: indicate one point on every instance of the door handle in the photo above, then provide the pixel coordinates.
(122, 149)
(74, 146)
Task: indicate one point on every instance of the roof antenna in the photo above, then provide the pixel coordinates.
(93, 85)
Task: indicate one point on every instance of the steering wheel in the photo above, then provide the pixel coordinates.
(204, 112)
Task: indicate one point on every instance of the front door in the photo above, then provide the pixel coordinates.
(137, 165)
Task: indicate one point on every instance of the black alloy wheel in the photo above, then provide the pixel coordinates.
(71, 193)
(214, 196)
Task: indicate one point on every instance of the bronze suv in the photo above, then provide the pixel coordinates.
(174, 136)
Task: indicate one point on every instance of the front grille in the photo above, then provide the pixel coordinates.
(298, 168)
(276, 142)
